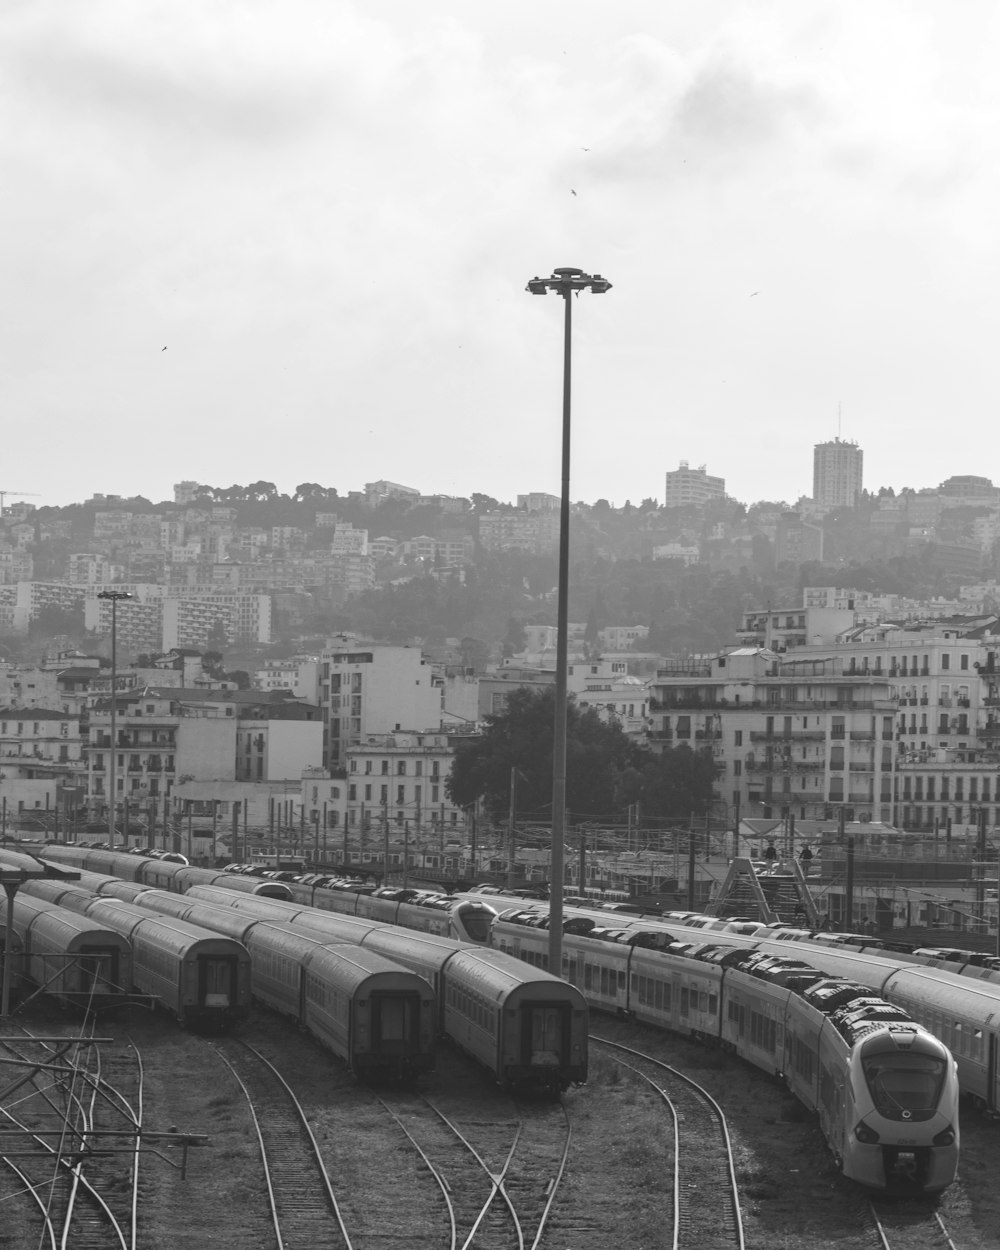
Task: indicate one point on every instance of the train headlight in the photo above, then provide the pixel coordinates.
(864, 1134)
(945, 1138)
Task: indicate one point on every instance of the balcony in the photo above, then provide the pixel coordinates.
(792, 735)
(708, 735)
(862, 735)
(861, 768)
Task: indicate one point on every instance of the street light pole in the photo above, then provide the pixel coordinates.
(565, 282)
(114, 596)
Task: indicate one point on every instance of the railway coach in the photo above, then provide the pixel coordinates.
(529, 1029)
(200, 977)
(884, 1088)
(162, 874)
(466, 920)
(78, 960)
(375, 1016)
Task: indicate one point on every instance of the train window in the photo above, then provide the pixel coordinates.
(604, 982)
(621, 981)
(713, 1004)
(685, 1000)
(904, 1086)
(544, 1035)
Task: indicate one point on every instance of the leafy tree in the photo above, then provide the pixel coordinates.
(597, 756)
(605, 769)
(475, 653)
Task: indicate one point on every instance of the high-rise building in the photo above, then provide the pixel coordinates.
(686, 486)
(837, 472)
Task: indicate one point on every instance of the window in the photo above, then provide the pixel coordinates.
(738, 738)
(435, 792)
(401, 768)
(368, 793)
(418, 768)
(368, 766)
(963, 661)
(385, 767)
(399, 794)
(945, 662)
(383, 794)
(352, 792)
(737, 768)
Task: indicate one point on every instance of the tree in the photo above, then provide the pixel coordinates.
(597, 758)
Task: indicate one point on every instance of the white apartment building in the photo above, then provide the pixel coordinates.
(789, 736)
(368, 689)
(687, 487)
(188, 621)
(299, 674)
(605, 686)
(398, 781)
(347, 541)
(837, 473)
(534, 532)
(539, 501)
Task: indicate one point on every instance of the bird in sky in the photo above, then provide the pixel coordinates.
(753, 293)
(571, 191)
(585, 149)
(163, 349)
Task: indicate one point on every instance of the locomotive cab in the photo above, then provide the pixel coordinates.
(905, 1134)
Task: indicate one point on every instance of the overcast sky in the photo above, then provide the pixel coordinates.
(326, 212)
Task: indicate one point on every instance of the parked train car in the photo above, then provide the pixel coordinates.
(162, 874)
(466, 920)
(527, 1027)
(199, 977)
(885, 1089)
(376, 1017)
(75, 959)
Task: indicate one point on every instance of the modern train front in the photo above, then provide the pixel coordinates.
(471, 921)
(904, 1134)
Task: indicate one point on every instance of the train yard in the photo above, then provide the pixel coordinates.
(408, 1088)
(617, 1186)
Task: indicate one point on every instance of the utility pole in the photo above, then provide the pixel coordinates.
(512, 830)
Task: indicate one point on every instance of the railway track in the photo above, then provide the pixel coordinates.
(304, 1210)
(499, 1177)
(75, 1128)
(706, 1205)
(913, 1225)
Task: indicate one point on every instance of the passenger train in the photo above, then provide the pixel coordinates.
(375, 1016)
(528, 1028)
(885, 1089)
(76, 960)
(202, 979)
(465, 919)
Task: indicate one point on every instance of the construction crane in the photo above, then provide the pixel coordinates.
(19, 493)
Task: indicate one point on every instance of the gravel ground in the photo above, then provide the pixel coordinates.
(616, 1191)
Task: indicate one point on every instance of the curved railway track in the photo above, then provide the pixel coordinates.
(498, 1178)
(913, 1225)
(77, 1125)
(304, 1211)
(703, 1164)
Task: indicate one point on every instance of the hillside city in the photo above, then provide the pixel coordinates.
(313, 661)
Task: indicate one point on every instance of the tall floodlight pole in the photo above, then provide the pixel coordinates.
(114, 596)
(565, 282)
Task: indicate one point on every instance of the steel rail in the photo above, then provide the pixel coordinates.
(435, 1172)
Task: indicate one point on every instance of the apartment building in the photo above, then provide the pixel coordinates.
(789, 736)
(41, 765)
(368, 689)
(687, 487)
(838, 467)
(398, 781)
(298, 674)
(606, 687)
(533, 532)
(190, 620)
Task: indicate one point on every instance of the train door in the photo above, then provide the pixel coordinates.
(395, 1023)
(98, 970)
(217, 981)
(544, 1034)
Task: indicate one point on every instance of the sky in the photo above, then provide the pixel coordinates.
(288, 240)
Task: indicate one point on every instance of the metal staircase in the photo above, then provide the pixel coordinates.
(780, 894)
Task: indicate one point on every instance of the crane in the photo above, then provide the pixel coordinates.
(19, 493)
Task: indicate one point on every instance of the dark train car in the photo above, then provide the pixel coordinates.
(375, 1016)
(73, 958)
(198, 976)
(465, 920)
